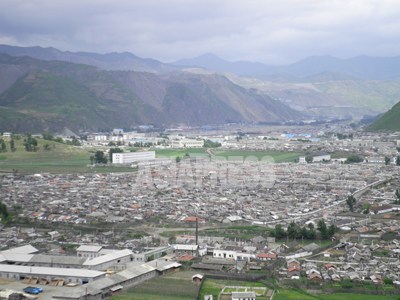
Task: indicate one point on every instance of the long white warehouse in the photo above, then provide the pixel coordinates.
(130, 157)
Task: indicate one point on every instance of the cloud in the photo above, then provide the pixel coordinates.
(259, 30)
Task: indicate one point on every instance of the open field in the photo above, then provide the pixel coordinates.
(175, 286)
(277, 156)
(294, 294)
(172, 153)
(60, 158)
(241, 232)
(215, 286)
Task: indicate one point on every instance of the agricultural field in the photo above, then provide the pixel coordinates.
(175, 286)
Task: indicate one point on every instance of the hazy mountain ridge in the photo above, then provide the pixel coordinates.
(51, 95)
(108, 61)
(361, 67)
(320, 87)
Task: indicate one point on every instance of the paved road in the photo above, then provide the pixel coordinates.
(18, 286)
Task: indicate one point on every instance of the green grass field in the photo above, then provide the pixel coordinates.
(172, 153)
(215, 286)
(175, 286)
(277, 156)
(294, 294)
(60, 158)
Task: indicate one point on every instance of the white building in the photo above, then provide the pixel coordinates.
(243, 295)
(322, 158)
(80, 276)
(88, 251)
(117, 258)
(130, 157)
(187, 143)
(100, 137)
(224, 253)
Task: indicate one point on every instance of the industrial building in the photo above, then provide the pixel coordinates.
(130, 157)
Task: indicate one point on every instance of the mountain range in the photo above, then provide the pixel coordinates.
(360, 67)
(47, 89)
(50, 95)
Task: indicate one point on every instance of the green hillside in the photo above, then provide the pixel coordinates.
(50, 96)
(371, 94)
(389, 121)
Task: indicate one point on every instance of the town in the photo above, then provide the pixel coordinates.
(225, 204)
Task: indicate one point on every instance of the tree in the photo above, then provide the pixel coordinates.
(178, 159)
(30, 143)
(366, 208)
(3, 147)
(100, 158)
(12, 145)
(48, 136)
(46, 147)
(303, 233)
(397, 194)
(5, 216)
(311, 234)
(387, 160)
(323, 229)
(398, 160)
(331, 230)
(292, 230)
(354, 159)
(114, 150)
(309, 159)
(74, 142)
(350, 202)
(279, 232)
(211, 144)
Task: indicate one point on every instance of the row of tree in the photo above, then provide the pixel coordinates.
(3, 145)
(295, 231)
(50, 137)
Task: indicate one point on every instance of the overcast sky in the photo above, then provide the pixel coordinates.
(269, 31)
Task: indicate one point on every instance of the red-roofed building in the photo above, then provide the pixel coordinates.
(193, 219)
(185, 257)
(266, 256)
